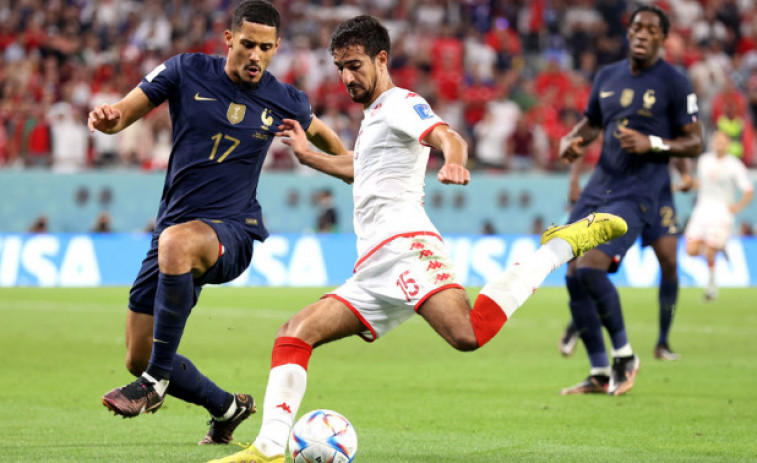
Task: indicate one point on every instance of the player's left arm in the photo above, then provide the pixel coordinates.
(323, 137)
(455, 151)
(688, 142)
(686, 182)
(747, 189)
(746, 198)
(683, 111)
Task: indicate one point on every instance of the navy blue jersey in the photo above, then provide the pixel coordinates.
(658, 101)
(221, 134)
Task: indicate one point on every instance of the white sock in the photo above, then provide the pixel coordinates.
(625, 351)
(159, 386)
(511, 288)
(230, 412)
(711, 282)
(283, 395)
(604, 371)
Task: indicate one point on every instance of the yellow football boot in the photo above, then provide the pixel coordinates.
(250, 455)
(589, 232)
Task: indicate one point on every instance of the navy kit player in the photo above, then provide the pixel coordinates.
(224, 112)
(404, 267)
(662, 235)
(648, 112)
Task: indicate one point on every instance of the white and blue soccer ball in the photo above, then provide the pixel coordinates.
(323, 436)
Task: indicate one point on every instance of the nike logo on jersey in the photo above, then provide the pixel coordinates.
(202, 98)
(606, 94)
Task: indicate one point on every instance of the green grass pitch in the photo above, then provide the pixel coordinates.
(410, 396)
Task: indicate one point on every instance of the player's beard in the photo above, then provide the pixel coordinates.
(365, 96)
(245, 82)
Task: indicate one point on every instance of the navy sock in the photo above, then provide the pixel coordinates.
(587, 322)
(188, 384)
(606, 298)
(668, 297)
(174, 299)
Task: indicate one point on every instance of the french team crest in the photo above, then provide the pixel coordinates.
(266, 119)
(649, 99)
(235, 113)
(626, 98)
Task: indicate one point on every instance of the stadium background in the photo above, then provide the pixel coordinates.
(512, 77)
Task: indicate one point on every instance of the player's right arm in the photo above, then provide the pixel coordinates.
(113, 118)
(455, 151)
(573, 145)
(574, 185)
(340, 166)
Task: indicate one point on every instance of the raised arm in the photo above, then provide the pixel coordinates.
(455, 151)
(339, 166)
(114, 118)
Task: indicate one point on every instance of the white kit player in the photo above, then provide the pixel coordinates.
(719, 175)
(403, 266)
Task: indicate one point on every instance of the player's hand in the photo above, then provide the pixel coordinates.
(454, 174)
(104, 118)
(571, 148)
(633, 141)
(293, 136)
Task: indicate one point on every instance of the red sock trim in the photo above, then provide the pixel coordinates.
(291, 350)
(487, 319)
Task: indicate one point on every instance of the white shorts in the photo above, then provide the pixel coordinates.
(714, 230)
(394, 279)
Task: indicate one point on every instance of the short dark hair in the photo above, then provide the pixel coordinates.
(362, 30)
(256, 11)
(664, 21)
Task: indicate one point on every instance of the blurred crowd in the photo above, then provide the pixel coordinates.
(511, 76)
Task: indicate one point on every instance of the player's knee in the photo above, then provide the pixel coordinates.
(287, 329)
(669, 272)
(173, 242)
(463, 341)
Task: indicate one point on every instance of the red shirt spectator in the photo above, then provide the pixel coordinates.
(552, 77)
(475, 96)
(447, 65)
(503, 39)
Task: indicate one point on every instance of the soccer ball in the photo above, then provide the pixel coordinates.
(323, 436)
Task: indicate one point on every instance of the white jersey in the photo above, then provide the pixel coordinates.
(711, 220)
(718, 180)
(390, 166)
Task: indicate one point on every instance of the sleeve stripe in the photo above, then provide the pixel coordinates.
(426, 132)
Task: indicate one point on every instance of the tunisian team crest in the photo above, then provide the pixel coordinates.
(235, 113)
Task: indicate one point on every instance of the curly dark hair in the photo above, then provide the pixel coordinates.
(664, 21)
(362, 30)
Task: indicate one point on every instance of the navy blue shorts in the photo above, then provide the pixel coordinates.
(632, 212)
(665, 223)
(237, 244)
